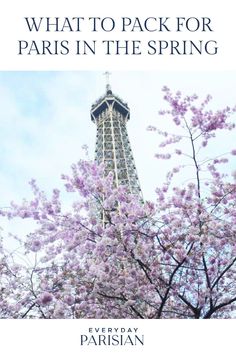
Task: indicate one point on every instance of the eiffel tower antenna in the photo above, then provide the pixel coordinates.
(108, 85)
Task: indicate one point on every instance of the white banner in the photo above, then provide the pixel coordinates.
(119, 35)
(117, 336)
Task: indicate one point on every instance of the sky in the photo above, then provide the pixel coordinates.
(45, 121)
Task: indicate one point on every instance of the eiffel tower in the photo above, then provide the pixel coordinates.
(110, 114)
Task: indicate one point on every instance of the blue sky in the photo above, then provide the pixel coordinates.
(45, 119)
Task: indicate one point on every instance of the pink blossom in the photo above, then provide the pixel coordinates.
(110, 255)
(45, 298)
(36, 245)
(178, 152)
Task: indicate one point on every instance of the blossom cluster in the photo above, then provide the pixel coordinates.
(111, 255)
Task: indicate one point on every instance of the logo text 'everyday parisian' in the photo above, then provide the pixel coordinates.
(112, 336)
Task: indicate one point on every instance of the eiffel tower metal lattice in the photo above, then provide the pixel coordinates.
(110, 114)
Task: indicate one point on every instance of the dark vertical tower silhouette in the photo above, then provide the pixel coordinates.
(110, 114)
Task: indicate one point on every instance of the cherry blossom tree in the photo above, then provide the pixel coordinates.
(172, 258)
